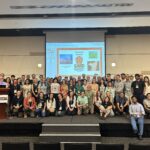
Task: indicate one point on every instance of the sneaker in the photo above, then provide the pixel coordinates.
(25, 116)
(140, 137)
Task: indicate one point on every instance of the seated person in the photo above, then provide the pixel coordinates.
(71, 104)
(17, 104)
(106, 108)
(97, 101)
(41, 105)
(51, 105)
(60, 106)
(29, 105)
(146, 104)
(122, 104)
(82, 104)
(136, 111)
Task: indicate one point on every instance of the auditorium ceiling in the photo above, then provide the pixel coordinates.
(50, 14)
(18, 7)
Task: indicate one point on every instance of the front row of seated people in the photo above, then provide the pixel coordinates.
(84, 103)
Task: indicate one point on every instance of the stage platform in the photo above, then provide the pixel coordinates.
(83, 119)
(89, 128)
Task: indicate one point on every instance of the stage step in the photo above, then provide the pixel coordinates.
(70, 128)
(70, 133)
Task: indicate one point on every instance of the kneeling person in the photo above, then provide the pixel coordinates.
(82, 104)
(17, 105)
(29, 105)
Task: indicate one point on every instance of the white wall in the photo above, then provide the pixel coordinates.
(20, 55)
(131, 53)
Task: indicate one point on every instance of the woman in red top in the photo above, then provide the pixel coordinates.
(29, 105)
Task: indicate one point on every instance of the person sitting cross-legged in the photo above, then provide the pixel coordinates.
(106, 108)
(82, 104)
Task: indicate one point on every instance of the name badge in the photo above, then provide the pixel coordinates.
(15, 91)
(60, 108)
(137, 86)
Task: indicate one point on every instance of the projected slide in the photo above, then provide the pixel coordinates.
(75, 59)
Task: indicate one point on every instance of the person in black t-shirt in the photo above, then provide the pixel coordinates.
(17, 105)
(138, 88)
(41, 105)
(106, 108)
(122, 104)
(60, 106)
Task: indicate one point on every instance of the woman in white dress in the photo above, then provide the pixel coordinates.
(26, 87)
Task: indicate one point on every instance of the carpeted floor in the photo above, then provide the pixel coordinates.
(87, 119)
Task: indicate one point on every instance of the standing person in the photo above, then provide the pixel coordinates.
(43, 87)
(64, 88)
(23, 78)
(71, 103)
(95, 86)
(110, 88)
(8, 81)
(137, 113)
(60, 106)
(12, 78)
(127, 88)
(55, 88)
(89, 93)
(13, 90)
(85, 84)
(35, 88)
(138, 88)
(82, 104)
(147, 85)
(119, 86)
(29, 105)
(26, 88)
(102, 88)
(78, 88)
(71, 86)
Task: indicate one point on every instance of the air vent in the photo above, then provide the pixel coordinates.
(72, 6)
(37, 54)
(145, 72)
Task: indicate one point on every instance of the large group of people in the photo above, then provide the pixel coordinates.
(118, 95)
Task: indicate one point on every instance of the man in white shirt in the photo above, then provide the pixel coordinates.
(137, 113)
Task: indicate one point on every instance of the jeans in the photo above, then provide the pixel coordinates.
(140, 122)
(40, 112)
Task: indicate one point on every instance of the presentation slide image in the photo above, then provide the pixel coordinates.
(93, 65)
(75, 59)
(65, 58)
(82, 60)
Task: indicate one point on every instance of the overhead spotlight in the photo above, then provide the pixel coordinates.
(113, 64)
(39, 65)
